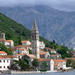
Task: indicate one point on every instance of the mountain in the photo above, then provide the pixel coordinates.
(16, 31)
(53, 24)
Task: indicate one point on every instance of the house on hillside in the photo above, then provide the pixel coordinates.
(56, 56)
(59, 64)
(22, 51)
(3, 53)
(44, 55)
(6, 62)
(52, 51)
(7, 43)
(42, 44)
(26, 42)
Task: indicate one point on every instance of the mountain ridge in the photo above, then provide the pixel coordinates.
(52, 23)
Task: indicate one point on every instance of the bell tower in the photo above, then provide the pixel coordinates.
(35, 40)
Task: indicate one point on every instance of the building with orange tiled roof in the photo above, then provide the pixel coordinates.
(48, 62)
(26, 42)
(22, 46)
(42, 44)
(44, 54)
(22, 51)
(53, 51)
(7, 43)
(59, 64)
(3, 53)
(5, 62)
(56, 56)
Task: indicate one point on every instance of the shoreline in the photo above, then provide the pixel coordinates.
(29, 72)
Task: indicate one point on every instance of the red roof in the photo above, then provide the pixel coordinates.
(70, 58)
(22, 49)
(24, 41)
(50, 49)
(42, 59)
(3, 52)
(55, 64)
(20, 46)
(2, 40)
(8, 56)
(31, 56)
(59, 60)
(9, 40)
(42, 53)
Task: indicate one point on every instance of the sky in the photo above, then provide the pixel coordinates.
(59, 4)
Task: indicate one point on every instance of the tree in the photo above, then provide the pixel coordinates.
(35, 63)
(19, 40)
(4, 48)
(73, 64)
(30, 51)
(23, 65)
(64, 51)
(44, 66)
(68, 64)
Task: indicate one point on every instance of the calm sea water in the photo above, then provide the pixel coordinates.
(58, 73)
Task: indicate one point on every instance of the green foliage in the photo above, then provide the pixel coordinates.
(13, 30)
(23, 65)
(44, 66)
(19, 40)
(18, 32)
(68, 64)
(30, 51)
(4, 48)
(73, 64)
(35, 63)
(64, 51)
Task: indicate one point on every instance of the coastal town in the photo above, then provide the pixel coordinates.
(34, 52)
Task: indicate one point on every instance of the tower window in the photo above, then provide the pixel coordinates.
(0, 66)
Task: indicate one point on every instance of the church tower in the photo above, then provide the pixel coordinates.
(35, 41)
(3, 36)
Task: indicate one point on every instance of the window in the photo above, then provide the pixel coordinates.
(4, 66)
(8, 67)
(0, 66)
(4, 60)
(7, 60)
(0, 60)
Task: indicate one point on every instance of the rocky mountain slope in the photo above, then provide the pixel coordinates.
(16, 31)
(53, 24)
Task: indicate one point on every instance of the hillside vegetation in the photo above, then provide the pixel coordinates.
(14, 30)
(18, 32)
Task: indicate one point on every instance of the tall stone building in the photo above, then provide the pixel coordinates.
(3, 36)
(35, 41)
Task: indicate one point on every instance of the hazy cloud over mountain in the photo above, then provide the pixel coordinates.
(59, 4)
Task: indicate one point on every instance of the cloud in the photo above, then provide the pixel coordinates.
(59, 4)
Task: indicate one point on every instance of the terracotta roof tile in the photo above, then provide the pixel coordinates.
(9, 40)
(24, 41)
(42, 59)
(8, 56)
(3, 52)
(31, 56)
(42, 53)
(22, 49)
(59, 60)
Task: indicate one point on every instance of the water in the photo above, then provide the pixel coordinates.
(58, 73)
